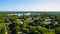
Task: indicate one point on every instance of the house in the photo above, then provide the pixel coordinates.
(48, 19)
(16, 14)
(21, 21)
(50, 26)
(21, 32)
(30, 21)
(27, 13)
(7, 23)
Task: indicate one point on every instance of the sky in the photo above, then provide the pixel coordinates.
(29, 5)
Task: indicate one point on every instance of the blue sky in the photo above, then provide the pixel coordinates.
(29, 5)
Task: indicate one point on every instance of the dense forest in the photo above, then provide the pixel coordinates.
(29, 22)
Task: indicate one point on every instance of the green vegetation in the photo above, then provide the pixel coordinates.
(30, 23)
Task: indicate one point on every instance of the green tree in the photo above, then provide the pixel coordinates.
(57, 29)
(3, 29)
(2, 20)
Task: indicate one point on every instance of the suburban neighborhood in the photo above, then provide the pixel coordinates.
(29, 23)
